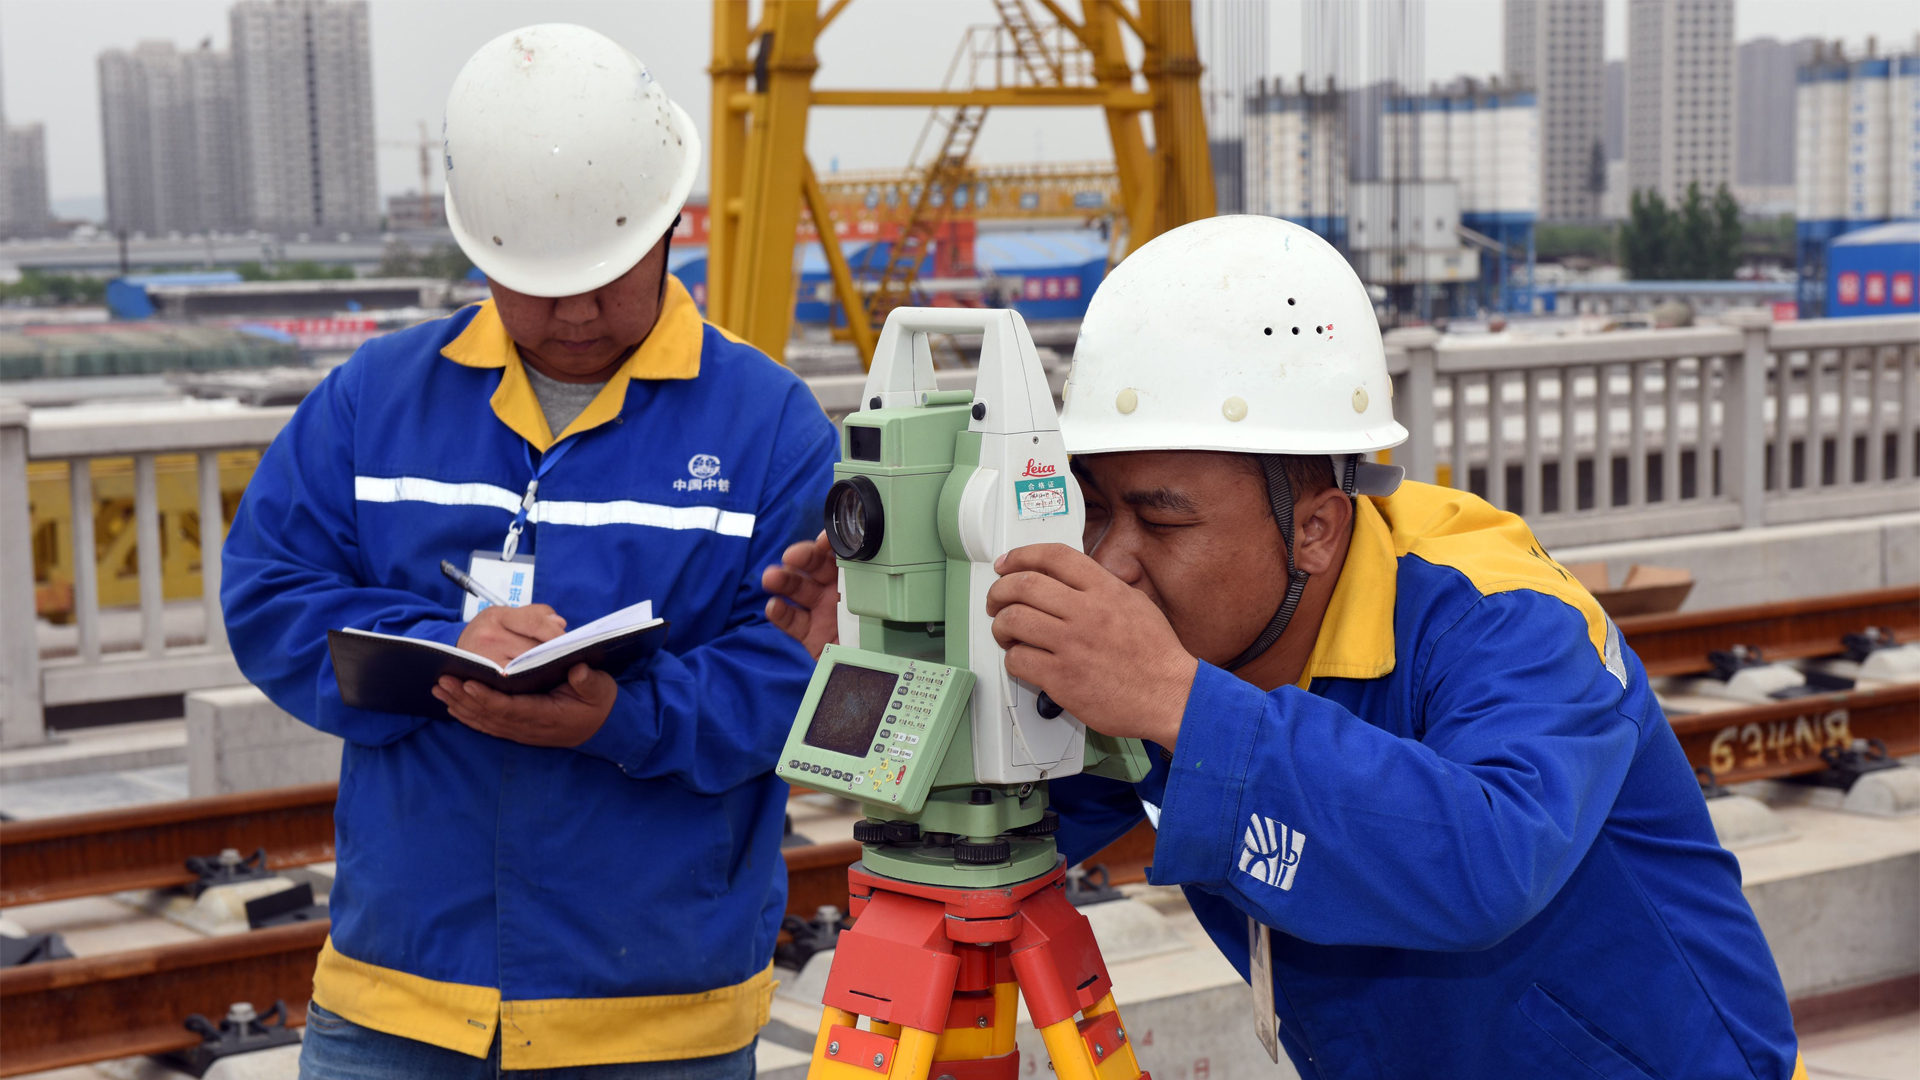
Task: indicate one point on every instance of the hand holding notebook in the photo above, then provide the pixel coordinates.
(390, 673)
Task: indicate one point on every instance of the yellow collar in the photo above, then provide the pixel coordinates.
(1356, 635)
(671, 351)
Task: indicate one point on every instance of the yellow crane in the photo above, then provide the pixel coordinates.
(1087, 190)
(762, 84)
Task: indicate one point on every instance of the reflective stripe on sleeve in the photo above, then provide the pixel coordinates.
(388, 489)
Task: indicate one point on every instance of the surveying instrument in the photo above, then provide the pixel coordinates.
(960, 895)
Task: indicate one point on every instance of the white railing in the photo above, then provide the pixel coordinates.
(30, 683)
(1640, 434)
(1693, 430)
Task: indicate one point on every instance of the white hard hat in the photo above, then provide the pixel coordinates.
(565, 162)
(1244, 334)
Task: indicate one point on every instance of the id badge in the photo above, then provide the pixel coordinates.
(509, 579)
(1266, 1024)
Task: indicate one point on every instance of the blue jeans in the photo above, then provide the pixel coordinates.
(335, 1048)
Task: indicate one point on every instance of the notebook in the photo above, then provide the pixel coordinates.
(389, 673)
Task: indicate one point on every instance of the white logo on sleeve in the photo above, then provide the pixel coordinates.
(1271, 852)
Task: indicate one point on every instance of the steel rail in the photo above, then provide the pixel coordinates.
(71, 1012)
(1678, 644)
(1769, 742)
(147, 847)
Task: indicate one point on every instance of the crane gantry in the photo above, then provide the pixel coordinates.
(761, 179)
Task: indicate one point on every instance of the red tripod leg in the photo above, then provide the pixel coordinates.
(895, 965)
(977, 1042)
(1062, 973)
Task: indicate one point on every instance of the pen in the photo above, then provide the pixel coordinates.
(459, 578)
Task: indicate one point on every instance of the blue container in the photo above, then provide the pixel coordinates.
(1875, 271)
(1058, 269)
(127, 297)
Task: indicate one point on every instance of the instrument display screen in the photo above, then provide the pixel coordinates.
(851, 707)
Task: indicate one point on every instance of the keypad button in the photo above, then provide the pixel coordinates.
(794, 763)
(896, 704)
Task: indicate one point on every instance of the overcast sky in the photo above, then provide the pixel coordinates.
(48, 48)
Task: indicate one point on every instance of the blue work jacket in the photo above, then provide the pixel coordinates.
(613, 902)
(1474, 834)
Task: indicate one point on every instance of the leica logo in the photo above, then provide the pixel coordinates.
(1034, 468)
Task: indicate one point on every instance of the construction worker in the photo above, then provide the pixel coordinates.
(586, 882)
(1409, 776)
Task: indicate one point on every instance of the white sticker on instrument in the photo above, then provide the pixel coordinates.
(1040, 498)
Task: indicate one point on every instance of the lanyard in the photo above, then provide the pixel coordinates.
(547, 461)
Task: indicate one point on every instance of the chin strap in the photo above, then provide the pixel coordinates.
(1280, 496)
(667, 257)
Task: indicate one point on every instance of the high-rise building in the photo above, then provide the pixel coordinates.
(213, 137)
(24, 210)
(171, 151)
(1679, 96)
(1556, 49)
(1763, 111)
(1614, 124)
(305, 88)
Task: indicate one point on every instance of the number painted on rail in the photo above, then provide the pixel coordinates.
(1743, 747)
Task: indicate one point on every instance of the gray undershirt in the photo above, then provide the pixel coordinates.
(562, 402)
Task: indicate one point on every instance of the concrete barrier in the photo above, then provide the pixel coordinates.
(237, 740)
(1777, 562)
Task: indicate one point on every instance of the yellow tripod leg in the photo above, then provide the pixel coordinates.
(915, 1056)
(1105, 1036)
(905, 1053)
(829, 1018)
(1094, 1048)
(1069, 1055)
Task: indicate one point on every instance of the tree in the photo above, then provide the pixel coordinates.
(304, 270)
(443, 261)
(1727, 235)
(37, 287)
(1696, 241)
(1690, 255)
(1644, 236)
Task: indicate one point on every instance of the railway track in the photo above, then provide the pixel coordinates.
(69, 1012)
(1678, 644)
(95, 1008)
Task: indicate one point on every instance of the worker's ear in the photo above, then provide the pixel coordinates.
(1321, 522)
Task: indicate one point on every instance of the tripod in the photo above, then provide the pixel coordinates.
(936, 968)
